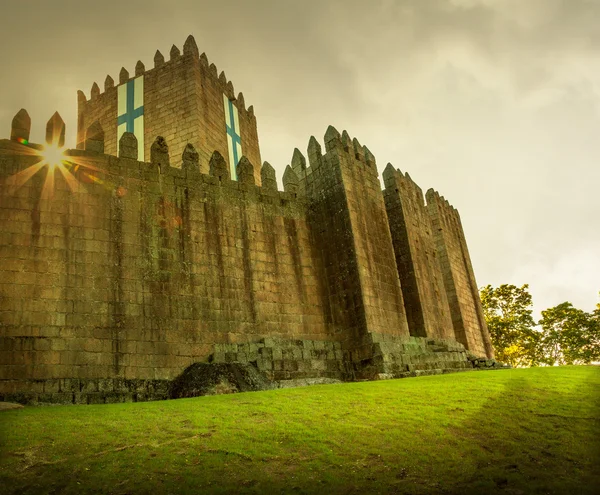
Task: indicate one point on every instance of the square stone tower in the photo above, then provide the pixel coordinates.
(183, 100)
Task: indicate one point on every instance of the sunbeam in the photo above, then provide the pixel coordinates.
(73, 169)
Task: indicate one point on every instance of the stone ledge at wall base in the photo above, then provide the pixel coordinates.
(282, 362)
(83, 391)
(402, 357)
(377, 357)
(304, 362)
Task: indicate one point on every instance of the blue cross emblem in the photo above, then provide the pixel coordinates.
(131, 113)
(235, 138)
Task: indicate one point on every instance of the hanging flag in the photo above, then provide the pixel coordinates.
(130, 113)
(234, 140)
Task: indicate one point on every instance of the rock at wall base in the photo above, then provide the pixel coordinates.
(201, 379)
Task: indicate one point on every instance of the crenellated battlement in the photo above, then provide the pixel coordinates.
(397, 181)
(342, 154)
(190, 53)
(161, 239)
(181, 99)
(187, 166)
(337, 143)
(459, 279)
(183, 172)
(439, 206)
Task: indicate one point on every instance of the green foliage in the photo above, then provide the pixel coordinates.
(564, 335)
(485, 432)
(570, 335)
(507, 311)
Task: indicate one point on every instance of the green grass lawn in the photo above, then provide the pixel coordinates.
(508, 431)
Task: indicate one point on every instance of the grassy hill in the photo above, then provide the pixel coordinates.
(508, 431)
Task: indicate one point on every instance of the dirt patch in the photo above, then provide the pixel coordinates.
(218, 378)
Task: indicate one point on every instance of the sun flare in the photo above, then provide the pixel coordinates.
(53, 155)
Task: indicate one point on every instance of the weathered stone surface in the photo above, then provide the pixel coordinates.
(159, 153)
(229, 91)
(218, 167)
(111, 294)
(21, 126)
(183, 102)
(240, 100)
(123, 75)
(426, 302)
(346, 141)
(314, 152)
(298, 163)
(332, 138)
(245, 171)
(459, 279)
(81, 99)
(128, 146)
(95, 92)
(94, 140)
(204, 60)
(109, 83)
(190, 158)
(55, 131)
(190, 47)
(159, 59)
(218, 378)
(268, 177)
(139, 68)
(290, 181)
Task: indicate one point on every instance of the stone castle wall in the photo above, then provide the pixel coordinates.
(116, 274)
(183, 102)
(469, 324)
(427, 308)
(140, 272)
(349, 213)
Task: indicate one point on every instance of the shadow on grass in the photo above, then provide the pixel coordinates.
(531, 439)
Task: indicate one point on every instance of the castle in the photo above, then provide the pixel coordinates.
(161, 241)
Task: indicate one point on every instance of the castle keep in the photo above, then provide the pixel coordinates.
(161, 241)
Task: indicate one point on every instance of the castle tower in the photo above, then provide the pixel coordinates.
(426, 302)
(469, 323)
(349, 222)
(182, 99)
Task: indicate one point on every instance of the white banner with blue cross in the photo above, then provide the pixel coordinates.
(130, 113)
(234, 139)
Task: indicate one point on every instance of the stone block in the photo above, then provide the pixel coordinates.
(264, 364)
(266, 353)
(318, 364)
(308, 344)
(52, 386)
(290, 365)
(94, 398)
(88, 386)
(319, 345)
(64, 398)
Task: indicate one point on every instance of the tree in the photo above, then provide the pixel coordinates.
(570, 335)
(507, 311)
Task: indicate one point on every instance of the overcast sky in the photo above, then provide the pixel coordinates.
(494, 103)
